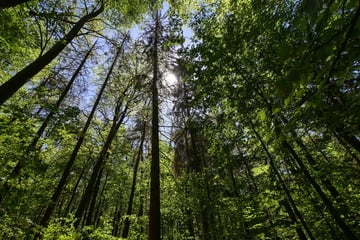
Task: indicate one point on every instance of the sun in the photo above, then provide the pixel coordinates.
(170, 79)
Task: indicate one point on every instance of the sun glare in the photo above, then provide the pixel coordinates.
(170, 79)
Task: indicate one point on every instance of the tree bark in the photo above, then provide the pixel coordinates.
(100, 203)
(16, 170)
(154, 214)
(116, 219)
(282, 184)
(291, 214)
(324, 179)
(90, 189)
(11, 3)
(347, 148)
(348, 138)
(61, 98)
(80, 140)
(74, 190)
(133, 186)
(11, 86)
(94, 193)
(339, 221)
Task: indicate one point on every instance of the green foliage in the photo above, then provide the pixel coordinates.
(17, 41)
(271, 65)
(98, 233)
(268, 96)
(61, 228)
(260, 170)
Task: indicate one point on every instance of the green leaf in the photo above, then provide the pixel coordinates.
(260, 170)
(261, 115)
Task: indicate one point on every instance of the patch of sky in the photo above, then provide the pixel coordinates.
(103, 54)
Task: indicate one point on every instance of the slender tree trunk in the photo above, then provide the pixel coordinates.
(95, 192)
(348, 138)
(291, 214)
(80, 140)
(324, 179)
(253, 185)
(99, 204)
(74, 191)
(11, 3)
(197, 162)
(116, 218)
(140, 212)
(347, 148)
(117, 121)
(317, 147)
(90, 189)
(327, 183)
(61, 98)
(283, 185)
(16, 82)
(339, 221)
(154, 215)
(320, 210)
(16, 170)
(133, 186)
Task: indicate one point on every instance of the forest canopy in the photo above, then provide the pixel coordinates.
(236, 119)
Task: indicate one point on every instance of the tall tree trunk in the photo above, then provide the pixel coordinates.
(16, 170)
(16, 82)
(348, 138)
(140, 212)
(154, 215)
(324, 179)
(317, 147)
(133, 186)
(11, 3)
(61, 98)
(117, 121)
(338, 219)
(116, 218)
(291, 214)
(95, 192)
(80, 140)
(74, 190)
(282, 184)
(322, 215)
(99, 204)
(347, 148)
